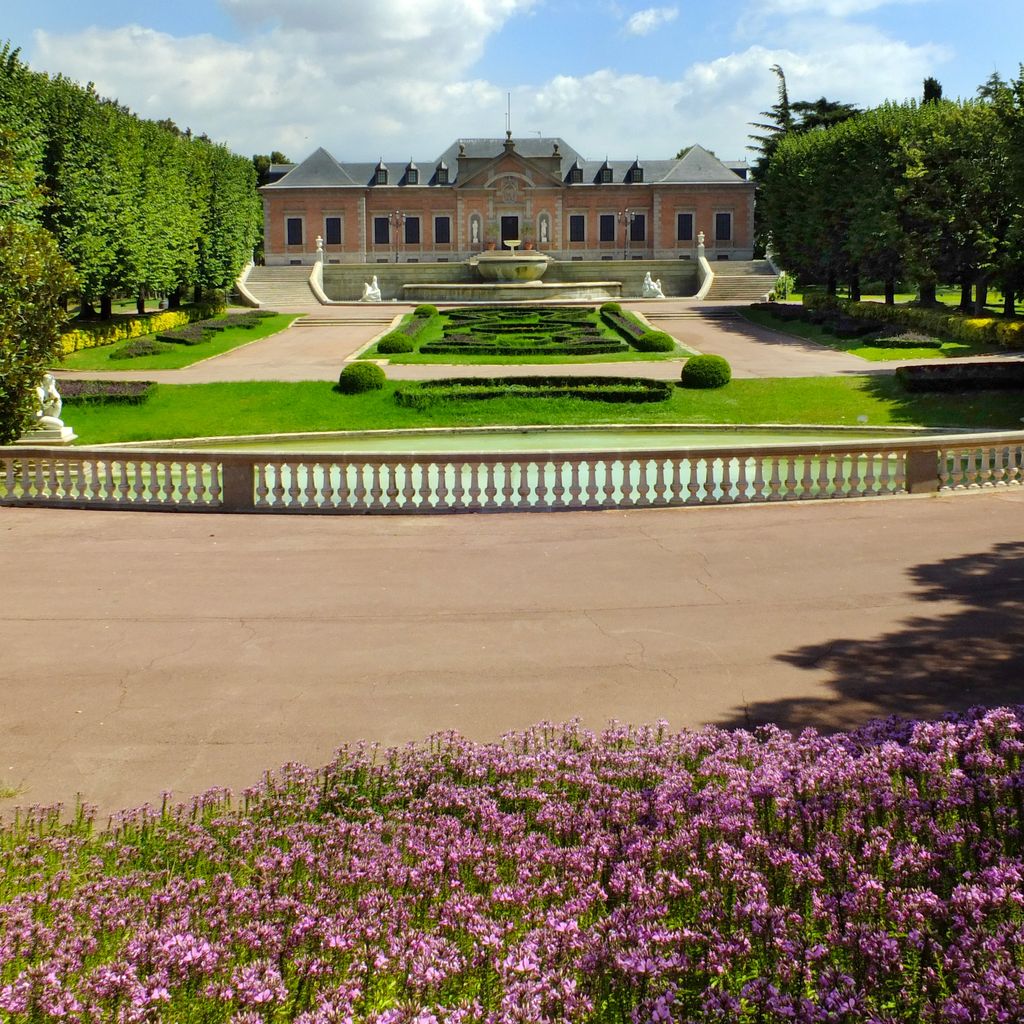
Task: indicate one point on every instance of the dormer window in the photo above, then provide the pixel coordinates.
(604, 176)
(636, 174)
(412, 174)
(576, 174)
(442, 174)
(380, 176)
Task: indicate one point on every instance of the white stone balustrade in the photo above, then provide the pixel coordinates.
(541, 481)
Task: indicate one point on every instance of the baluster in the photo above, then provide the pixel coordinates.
(491, 489)
(676, 484)
(591, 462)
(441, 491)
(343, 496)
(470, 497)
(742, 481)
(575, 490)
(626, 489)
(774, 479)
(725, 484)
(507, 489)
(659, 482)
(694, 479)
(408, 490)
(558, 483)
(523, 489)
(541, 488)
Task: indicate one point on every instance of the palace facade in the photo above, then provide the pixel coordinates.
(485, 192)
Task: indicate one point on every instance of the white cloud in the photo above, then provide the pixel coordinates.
(643, 23)
(402, 81)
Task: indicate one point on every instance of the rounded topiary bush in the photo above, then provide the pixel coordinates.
(706, 372)
(361, 377)
(654, 341)
(425, 310)
(611, 307)
(394, 342)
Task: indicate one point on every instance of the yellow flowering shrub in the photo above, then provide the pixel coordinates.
(123, 328)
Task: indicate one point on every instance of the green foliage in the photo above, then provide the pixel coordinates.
(706, 371)
(105, 392)
(85, 334)
(610, 307)
(395, 342)
(359, 377)
(1003, 375)
(34, 279)
(654, 341)
(426, 309)
(426, 394)
(138, 348)
(21, 141)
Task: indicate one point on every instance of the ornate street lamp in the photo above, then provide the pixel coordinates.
(397, 219)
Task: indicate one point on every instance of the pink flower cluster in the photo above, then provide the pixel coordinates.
(559, 876)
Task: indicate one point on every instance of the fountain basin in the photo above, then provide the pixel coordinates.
(510, 266)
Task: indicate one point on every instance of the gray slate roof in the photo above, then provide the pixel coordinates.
(321, 170)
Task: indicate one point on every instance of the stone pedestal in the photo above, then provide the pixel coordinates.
(47, 437)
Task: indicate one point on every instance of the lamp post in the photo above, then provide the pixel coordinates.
(626, 218)
(397, 219)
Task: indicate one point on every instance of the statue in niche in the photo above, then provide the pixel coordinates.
(474, 230)
(49, 403)
(544, 231)
(651, 288)
(371, 291)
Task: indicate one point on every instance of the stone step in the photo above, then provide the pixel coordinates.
(742, 268)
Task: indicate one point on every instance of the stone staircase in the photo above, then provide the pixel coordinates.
(741, 281)
(343, 321)
(281, 288)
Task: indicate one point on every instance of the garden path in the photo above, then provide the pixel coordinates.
(144, 652)
(319, 352)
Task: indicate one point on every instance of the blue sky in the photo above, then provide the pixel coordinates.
(404, 78)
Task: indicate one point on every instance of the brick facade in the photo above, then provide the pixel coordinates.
(508, 188)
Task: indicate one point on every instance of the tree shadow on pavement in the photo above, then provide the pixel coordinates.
(968, 652)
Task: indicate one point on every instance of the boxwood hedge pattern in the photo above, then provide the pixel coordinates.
(532, 331)
(424, 394)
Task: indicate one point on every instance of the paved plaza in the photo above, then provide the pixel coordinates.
(147, 651)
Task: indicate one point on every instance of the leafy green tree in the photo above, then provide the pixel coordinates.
(34, 278)
(263, 161)
(21, 140)
(931, 90)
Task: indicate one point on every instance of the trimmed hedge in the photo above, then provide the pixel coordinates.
(105, 392)
(140, 347)
(425, 310)
(706, 371)
(360, 377)
(654, 341)
(1000, 375)
(85, 335)
(944, 323)
(395, 342)
(424, 394)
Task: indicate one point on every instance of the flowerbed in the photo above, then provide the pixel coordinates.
(424, 394)
(992, 375)
(105, 392)
(558, 876)
(94, 335)
(202, 330)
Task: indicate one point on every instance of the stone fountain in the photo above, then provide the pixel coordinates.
(508, 275)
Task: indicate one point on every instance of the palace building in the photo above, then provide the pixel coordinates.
(485, 192)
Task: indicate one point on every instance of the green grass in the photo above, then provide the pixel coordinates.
(198, 410)
(176, 356)
(434, 331)
(857, 347)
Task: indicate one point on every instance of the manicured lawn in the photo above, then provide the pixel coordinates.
(257, 407)
(948, 296)
(174, 357)
(857, 347)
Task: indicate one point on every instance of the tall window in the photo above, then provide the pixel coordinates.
(412, 231)
(607, 227)
(684, 227)
(723, 227)
(638, 228)
(442, 175)
(577, 228)
(332, 230)
(293, 230)
(442, 230)
(381, 234)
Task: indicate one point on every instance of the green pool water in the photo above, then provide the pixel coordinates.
(646, 439)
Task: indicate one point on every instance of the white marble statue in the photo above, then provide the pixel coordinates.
(371, 291)
(48, 428)
(50, 403)
(652, 288)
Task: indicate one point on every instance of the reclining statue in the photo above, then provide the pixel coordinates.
(371, 291)
(652, 288)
